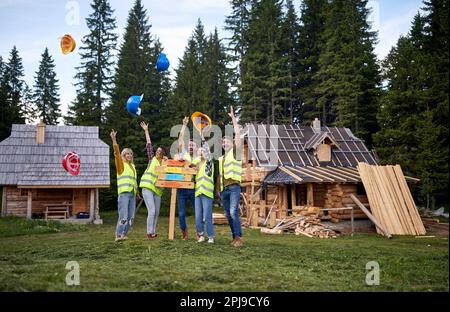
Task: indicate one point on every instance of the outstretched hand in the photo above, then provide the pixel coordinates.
(113, 135)
(231, 113)
(144, 126)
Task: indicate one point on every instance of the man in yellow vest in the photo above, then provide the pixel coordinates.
(126, 188)
(229, 181)
(185, 195)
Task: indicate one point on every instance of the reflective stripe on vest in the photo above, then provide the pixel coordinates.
(126, 182)
(203, 183)
(150, 176)
(230, 168)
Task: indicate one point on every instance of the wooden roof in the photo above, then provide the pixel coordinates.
(316, 174)
(292, 145)
(25, 163)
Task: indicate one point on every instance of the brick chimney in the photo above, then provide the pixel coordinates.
(40, 133)
(316, 125)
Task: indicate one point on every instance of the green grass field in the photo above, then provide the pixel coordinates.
(33, 258)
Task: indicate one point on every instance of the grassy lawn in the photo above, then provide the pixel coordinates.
(33, 258)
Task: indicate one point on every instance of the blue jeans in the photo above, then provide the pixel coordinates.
(231, 197)
(126, 203)
(153, 203)
(183, 195)
(203, 211)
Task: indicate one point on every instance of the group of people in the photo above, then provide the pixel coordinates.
(227, 185)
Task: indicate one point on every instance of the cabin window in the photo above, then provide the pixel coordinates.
(324, 152)
(23, 192)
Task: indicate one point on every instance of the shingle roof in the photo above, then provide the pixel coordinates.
(286, 145)
(25, 163)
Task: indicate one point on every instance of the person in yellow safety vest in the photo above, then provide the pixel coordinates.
(228, 182)
(185, 195)
(126, 188)
(204, 194)
(150, 192)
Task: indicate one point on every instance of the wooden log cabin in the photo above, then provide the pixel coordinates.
(35, 184)
(292, 169)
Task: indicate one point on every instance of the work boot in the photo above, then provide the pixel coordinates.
(184, 234)
(238, 242)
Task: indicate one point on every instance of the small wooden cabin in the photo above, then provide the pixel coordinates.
(34, 182)
(289, 169)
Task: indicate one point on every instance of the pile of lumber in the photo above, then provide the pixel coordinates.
(301, 225)
(390, 200)
(219, 218)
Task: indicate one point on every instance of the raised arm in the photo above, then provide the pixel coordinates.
(117, 158)
(237, 131)
(149, 146)
(181, 135)
(208, 157)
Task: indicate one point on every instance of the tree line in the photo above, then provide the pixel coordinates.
(280, 64)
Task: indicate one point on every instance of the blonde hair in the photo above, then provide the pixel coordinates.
(126, 150)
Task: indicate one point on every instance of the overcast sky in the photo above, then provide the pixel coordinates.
(32, 25)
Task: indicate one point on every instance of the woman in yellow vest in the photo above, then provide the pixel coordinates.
(126, 188)
(204, 194)
(151, 193)
(229, 181)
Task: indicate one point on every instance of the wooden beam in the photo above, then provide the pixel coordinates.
(371, 217)
(62, 186)
(270, 211)
(29, 204)
(173, 200)
(3, 201)
(287, 171)
(182, 170)
(91, 204)
(175, 184)
(293, 195)
(337, 174)
(309, 194)
(305, 173)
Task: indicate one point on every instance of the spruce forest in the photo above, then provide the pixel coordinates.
(280, 64)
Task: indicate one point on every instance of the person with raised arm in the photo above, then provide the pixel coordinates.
(229, 181)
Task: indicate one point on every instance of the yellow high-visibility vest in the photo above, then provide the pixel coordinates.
(126, 182)
(204, 184)
(229, 168)
(148, 179)
(188, 158)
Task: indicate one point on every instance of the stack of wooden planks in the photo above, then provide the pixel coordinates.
(219, 218)
(390, 200)
(309, 226)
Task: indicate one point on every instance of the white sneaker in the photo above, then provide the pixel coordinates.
(201, 239)
(211, 240)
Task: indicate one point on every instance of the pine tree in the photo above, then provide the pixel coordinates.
(219, 78)
(414, 114)
(348, 77)
(264, 90)
(136, 75)
(191, 83)
(155, 109)
(12, 93)
(95, 73)
(45, 93)
(291, 49)
(4, 106)
(310, 42)
(237, 24)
